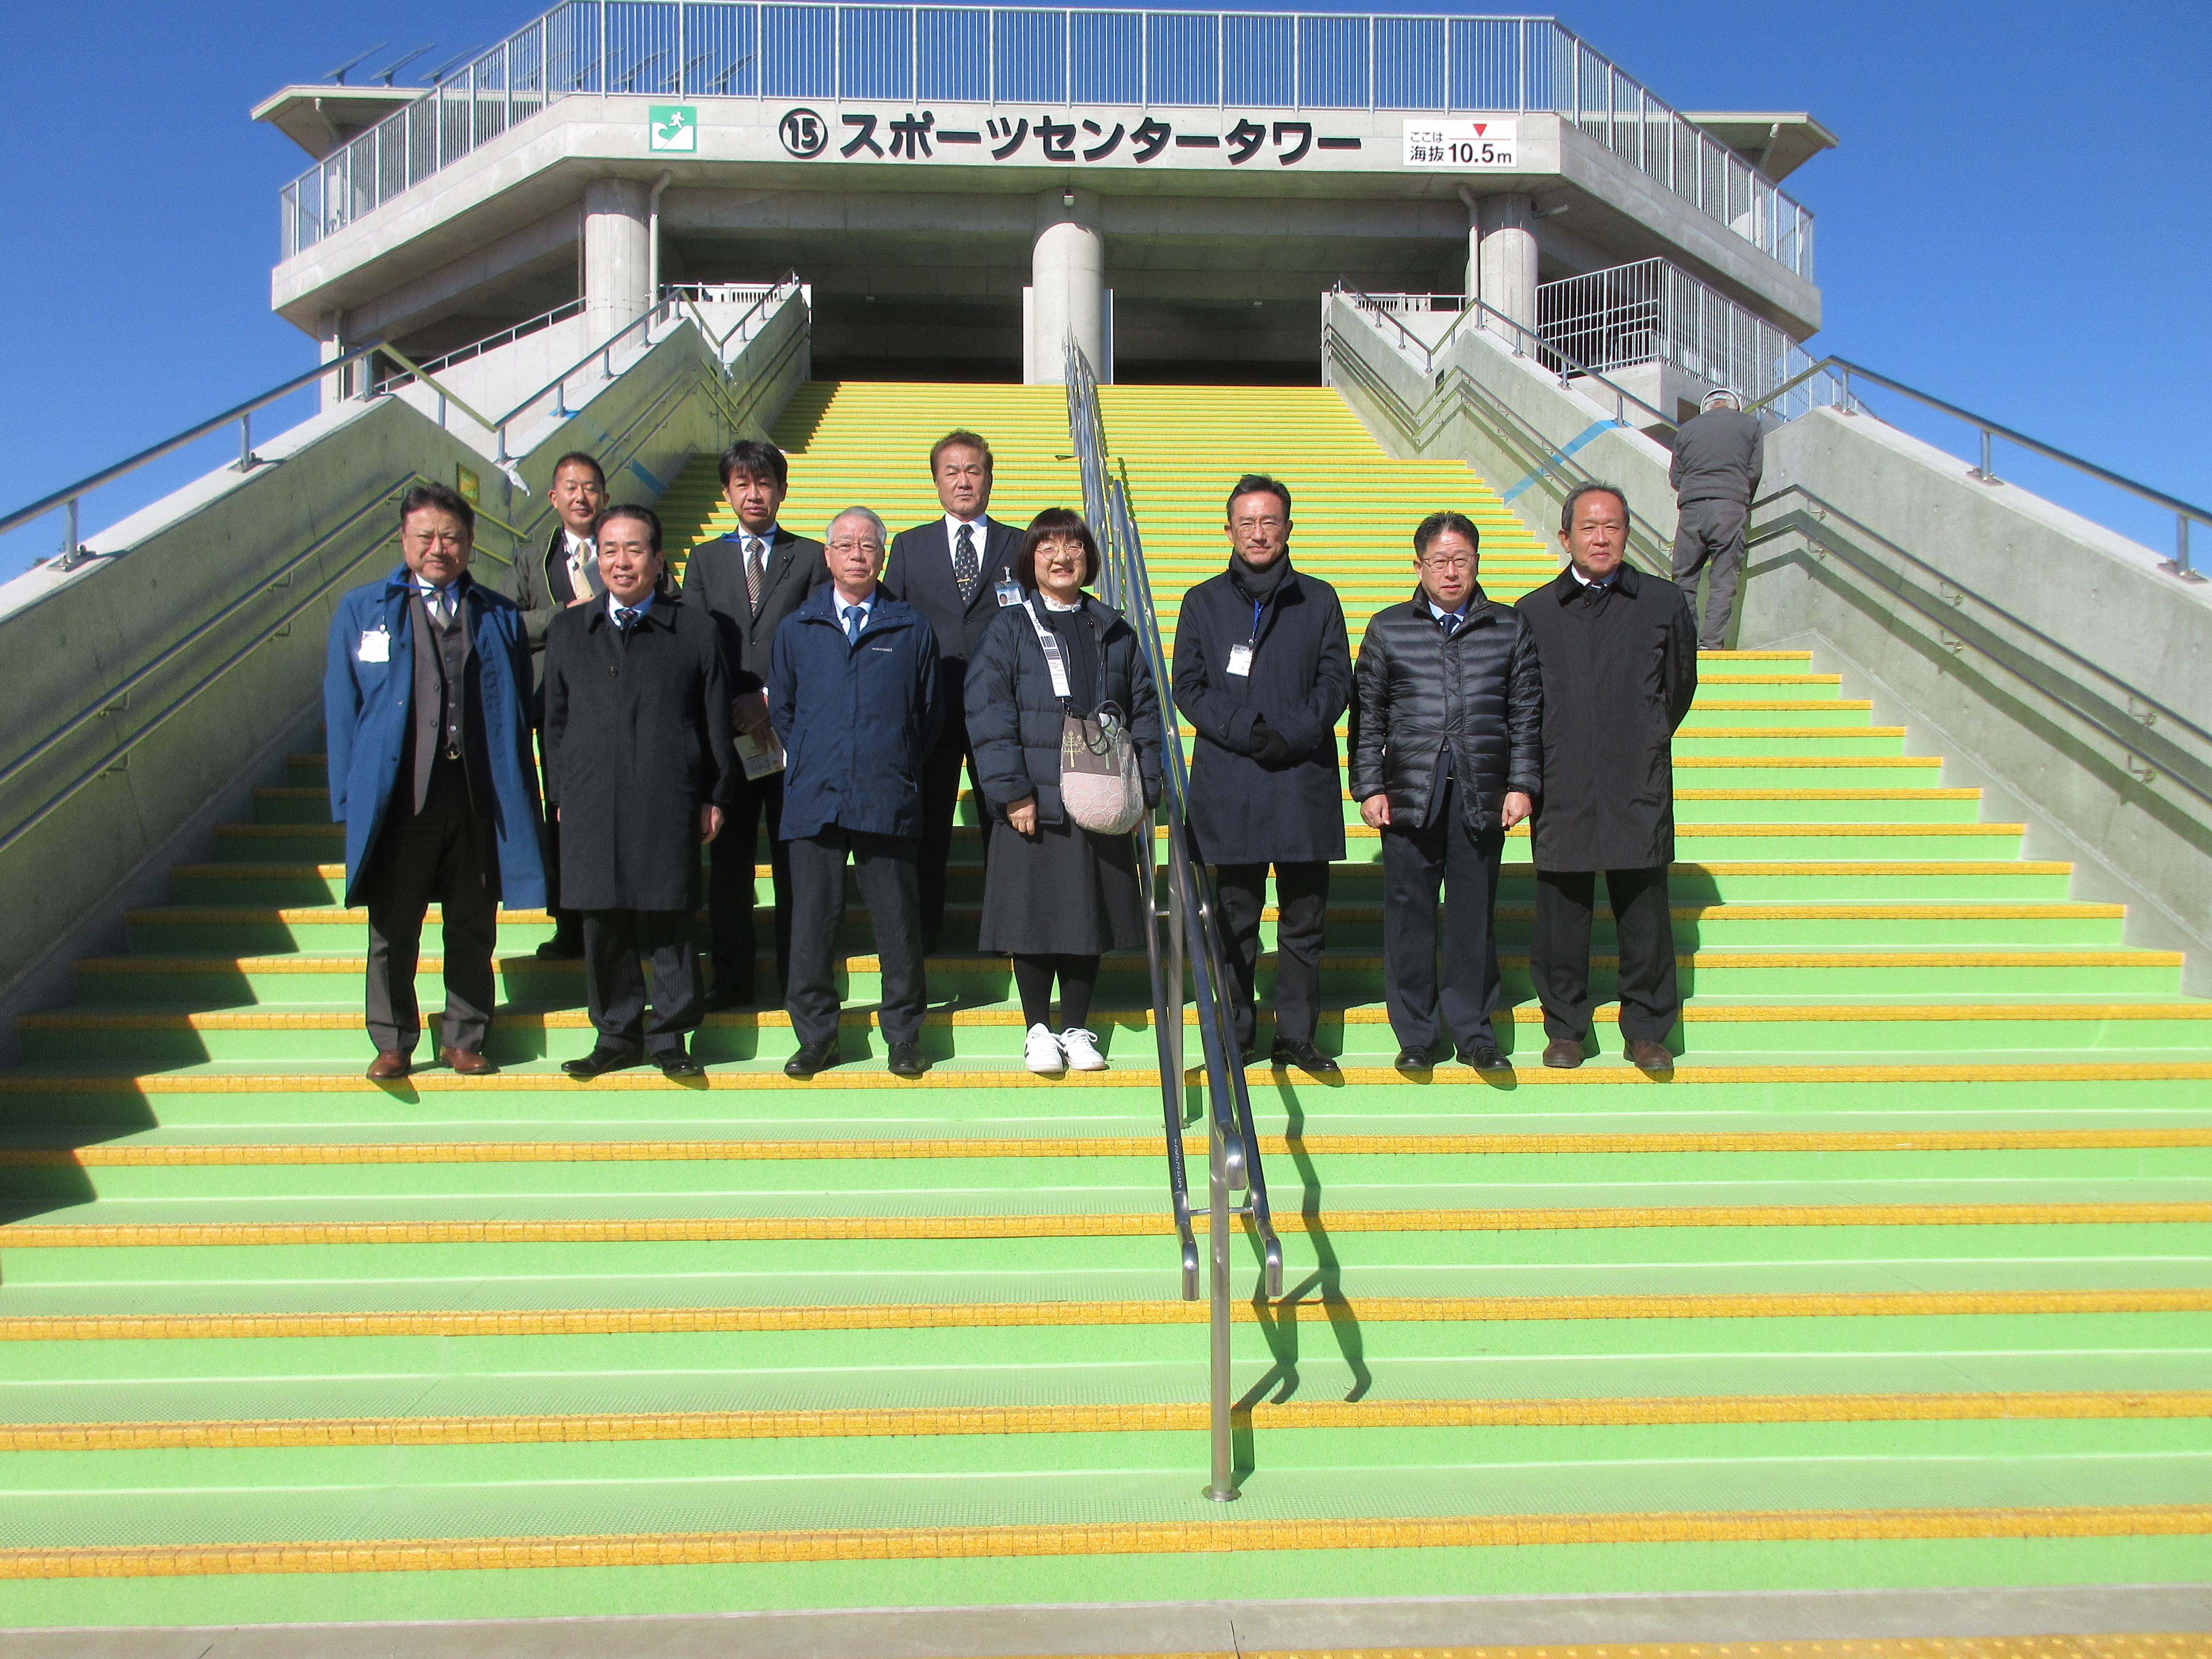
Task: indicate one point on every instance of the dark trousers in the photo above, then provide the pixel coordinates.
(1709, 535)
(617, 989)
(447, 853)
(1301, 904)
(566, 923)
(730, 893)
(884, 870)
(940, 804)
(1443, 854)
(1558, 959)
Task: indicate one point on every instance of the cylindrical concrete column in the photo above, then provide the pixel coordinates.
(1505, 256)
(330, 345)
(1068, 279)
(616, 256)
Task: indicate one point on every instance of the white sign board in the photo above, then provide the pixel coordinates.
(1461, 146)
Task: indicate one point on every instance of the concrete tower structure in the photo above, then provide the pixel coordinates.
(1172, 190)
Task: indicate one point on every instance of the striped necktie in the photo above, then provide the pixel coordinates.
(756, 570)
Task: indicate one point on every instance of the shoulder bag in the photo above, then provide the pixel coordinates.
(1100, 787)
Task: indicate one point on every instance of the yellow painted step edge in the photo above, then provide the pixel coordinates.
(1321, 1146)
(1211, 1535)
(714, 1230)
(1147, 1417)
(1011, 1075)
(964, 1316)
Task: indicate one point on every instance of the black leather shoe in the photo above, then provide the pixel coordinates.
(1484, 1057)
(727, 996)
(905, 1059)
(1306, 1058)
(812, 1057)
(600, 1061)
(563, 946)
(1414, 1059)
(677, 1062)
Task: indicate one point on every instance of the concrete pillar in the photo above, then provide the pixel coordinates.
(1068, 276)
(1505, 256)
(329, 343)
(616, 256)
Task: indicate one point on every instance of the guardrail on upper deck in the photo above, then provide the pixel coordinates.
(955, 54)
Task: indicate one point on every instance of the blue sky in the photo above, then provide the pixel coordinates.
(2020, 217)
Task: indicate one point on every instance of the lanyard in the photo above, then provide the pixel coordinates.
(1055, 665)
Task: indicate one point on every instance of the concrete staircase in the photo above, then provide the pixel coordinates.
(1901, 1281)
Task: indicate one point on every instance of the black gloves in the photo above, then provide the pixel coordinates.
(1269, 746)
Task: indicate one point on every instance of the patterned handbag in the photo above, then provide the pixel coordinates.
(1100, 787)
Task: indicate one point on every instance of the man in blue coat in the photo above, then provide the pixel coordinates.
(425, 698)
(853, 693)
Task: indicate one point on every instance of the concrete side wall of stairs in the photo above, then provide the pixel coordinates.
(2045, 657)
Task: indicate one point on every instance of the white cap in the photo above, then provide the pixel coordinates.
(1720, 392)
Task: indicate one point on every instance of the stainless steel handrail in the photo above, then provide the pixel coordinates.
(605, 354)
(73, 555)
(1471, 305)
(1233, 1144)
(1843, 369)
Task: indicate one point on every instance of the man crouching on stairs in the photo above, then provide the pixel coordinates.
(431, 773)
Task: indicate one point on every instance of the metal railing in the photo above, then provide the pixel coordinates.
(1232, 1141)
(1653, 311)
(74, 553)
(955, 54)
(1843, 373)
(475, 349)
(598, 362)
(1526, 342)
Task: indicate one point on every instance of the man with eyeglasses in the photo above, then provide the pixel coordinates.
(853, 693)
(1262, 669)
(426, 704)
(1446, 710)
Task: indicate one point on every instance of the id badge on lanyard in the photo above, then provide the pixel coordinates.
(1240, 656)
(1054, 664)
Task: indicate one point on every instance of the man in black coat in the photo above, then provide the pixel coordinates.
(1619, 655)
(1446, 711)
(958, 572)
(853, 692)
(565, 574)
(749, 581)
(639, 764)
(1262, 669)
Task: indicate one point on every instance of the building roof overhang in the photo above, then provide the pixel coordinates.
(320, 118)
(1776, 142)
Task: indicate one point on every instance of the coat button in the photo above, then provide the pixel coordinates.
(611, 669)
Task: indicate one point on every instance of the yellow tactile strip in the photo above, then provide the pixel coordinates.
(716, 1229)
(1694, 1013)
(1102, 1537)
(1711, 959)
(1324, 1146)
(2165, 1645)
(1149, 1418)
(1011, 1076)
(947, 1315)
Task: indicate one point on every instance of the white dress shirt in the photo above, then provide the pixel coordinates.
(980, 525)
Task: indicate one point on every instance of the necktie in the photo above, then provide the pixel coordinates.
(441, 608)
(965, 570)
(854, 616)
(756, 569)
(625, 618)
(1450, 622)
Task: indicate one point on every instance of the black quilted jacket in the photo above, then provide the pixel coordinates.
(1414, 690)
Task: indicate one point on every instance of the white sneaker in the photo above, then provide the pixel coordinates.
(1081, 1048)
(1041, 1051)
